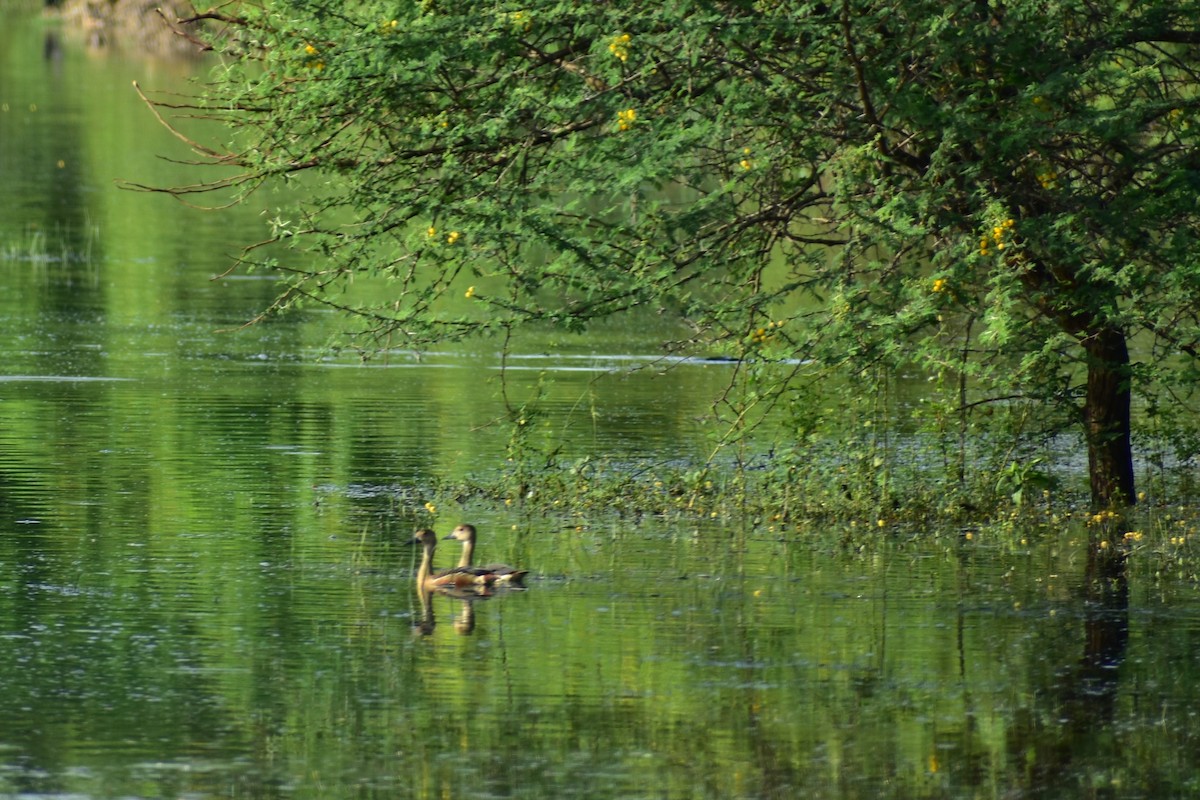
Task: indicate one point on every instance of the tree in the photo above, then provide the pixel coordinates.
(1003, 190)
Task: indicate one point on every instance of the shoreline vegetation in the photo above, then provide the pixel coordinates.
(868, 465)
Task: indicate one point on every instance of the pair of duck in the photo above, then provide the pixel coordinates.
(465, 575)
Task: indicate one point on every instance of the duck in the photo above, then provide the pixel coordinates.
(501, 574)
(458, 577)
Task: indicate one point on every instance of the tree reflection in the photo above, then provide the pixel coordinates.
(1056, 745)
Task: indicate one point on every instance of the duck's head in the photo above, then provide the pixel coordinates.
(463, 533)
(424, 537)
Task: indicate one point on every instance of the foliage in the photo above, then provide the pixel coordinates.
(999, 194)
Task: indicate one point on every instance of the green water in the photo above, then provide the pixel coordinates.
(204, 591)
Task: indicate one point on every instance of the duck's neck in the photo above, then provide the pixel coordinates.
(468, 551)
(426, 567)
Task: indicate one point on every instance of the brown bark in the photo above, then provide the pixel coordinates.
(1107, 419)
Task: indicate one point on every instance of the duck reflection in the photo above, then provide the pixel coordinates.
(464, 621)
(426, 622)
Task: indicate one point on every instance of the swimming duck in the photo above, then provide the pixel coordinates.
(502, 574)
(462, 577)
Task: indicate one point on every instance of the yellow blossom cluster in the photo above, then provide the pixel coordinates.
(388, 26)
(1102, 517)
(940, 284)
(1000, 233)
(313, 60)
(619, 46)
(746, 163)
(432, 232)
(626, 118)
(431, 508)
(1133, 536)
(470, 292)
(764, 335)
(1048, 179)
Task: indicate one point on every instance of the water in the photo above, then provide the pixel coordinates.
(204, 590)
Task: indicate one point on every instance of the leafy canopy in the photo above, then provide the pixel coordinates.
(979, 187)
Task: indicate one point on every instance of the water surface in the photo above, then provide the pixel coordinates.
(205, 592)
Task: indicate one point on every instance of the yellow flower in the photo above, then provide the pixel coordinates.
(761, 335)
(619, 46)
(431, 232)
(746, 163)
(452, 237)
(939, 285)
(626, 118)
(470, 292)
(521, 20)
(431, 508)
(310, 50)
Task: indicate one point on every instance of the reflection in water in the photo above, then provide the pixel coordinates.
(1059, 746)
(426, 623)
(52, 49)
(464, 621)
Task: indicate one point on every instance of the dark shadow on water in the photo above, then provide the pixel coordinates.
(1058, 746)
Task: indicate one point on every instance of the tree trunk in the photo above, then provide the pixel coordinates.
(1107, 417)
